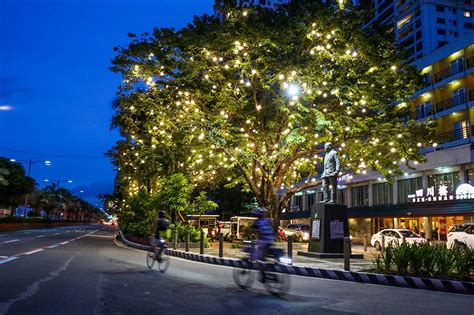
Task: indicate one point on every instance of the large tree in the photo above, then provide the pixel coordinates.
(251, 96)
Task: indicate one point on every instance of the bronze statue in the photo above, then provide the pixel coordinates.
(332, 167)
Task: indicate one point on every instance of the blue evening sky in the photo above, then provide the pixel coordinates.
(54, 60)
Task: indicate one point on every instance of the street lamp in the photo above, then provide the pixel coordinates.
(31, 162)
(58, 181)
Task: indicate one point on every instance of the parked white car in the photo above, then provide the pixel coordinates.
(461, 235)
(394, 237)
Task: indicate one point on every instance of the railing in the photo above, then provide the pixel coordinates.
(470, 62)
(451, 102)
(422, 112)
(447, 72)
(457, 134)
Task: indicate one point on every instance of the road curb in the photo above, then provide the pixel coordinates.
(441, 285)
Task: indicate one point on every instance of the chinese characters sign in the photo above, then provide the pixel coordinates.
(464, 191)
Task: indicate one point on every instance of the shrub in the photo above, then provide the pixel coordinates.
(426, 260)
(401, 257)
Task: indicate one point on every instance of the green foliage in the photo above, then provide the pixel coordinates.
(194, 233)
(236, 245)
(175, 195)
(139, 217)
(212, 101)
(426, 260)
(201, 204)
(401, 257)
(14, 184)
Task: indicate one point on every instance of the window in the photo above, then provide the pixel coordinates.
(441, 31)
(450, 181)
(360, 196)
(439, 8)
(382, 193)
(408, 187)
(297, 203)
(467, 13)
(311, 200)
(468, 25)
(457, 65)
(455, 34)
(470, 176)
(459, 96)
(341, 196)
(461, 129)
(440, 21)
(423, 110)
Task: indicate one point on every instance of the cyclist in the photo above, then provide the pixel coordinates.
(264, 229)
(162, 231)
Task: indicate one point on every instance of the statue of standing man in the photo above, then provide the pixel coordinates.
(332, 166)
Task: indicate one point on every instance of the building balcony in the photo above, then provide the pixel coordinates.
(447, 72)
(470, 62)
(454, 135)
(451, 102)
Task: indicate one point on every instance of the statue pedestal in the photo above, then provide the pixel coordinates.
(329, 225)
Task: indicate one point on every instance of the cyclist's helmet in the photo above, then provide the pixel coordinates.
(161, 214)
(259, 212)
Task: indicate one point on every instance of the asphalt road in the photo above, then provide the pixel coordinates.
(80, 270)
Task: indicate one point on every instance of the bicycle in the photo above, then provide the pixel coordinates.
(158, 254)
(275, 280)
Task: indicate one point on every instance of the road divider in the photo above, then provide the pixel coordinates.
(431, 284)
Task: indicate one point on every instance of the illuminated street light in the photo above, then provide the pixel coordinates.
(58, 181)
(30, 163)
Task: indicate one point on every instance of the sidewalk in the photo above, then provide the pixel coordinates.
(303, 261)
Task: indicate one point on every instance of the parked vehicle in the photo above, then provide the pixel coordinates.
(394, 237)
(239, 225)
(299, 232)
(461, 235)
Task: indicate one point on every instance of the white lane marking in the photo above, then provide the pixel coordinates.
(53, 246)
(33, 288)
(33, 251)
(26, 232)
(7, 260)
(40, 236)
(64, 242)
(57, 233)
(11, 241)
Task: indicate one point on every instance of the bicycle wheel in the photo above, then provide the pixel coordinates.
(277, 283)
(150, 259)
(244, 277)
(163, 262)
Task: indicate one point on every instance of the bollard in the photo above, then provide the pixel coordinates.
(187, 241)
(221, 245)
(175, 240)
(347, 253)
(290, 246)
(365, 242)
(383, 243)
(201, 250)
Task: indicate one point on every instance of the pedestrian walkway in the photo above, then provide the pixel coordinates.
(303, 261)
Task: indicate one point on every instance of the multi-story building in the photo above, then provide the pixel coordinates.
(438, 193)
(422, 26)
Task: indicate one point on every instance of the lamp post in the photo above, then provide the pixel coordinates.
(58, 181)
(31, 162)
